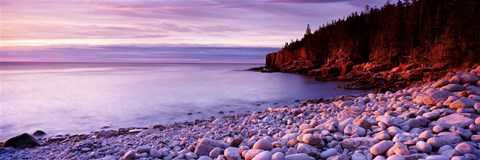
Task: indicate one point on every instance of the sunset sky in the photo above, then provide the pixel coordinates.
(161, 30)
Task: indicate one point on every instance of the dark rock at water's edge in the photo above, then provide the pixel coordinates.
(39, 133)
(261, 69)
(21, 141)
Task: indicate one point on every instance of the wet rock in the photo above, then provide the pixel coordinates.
(148, 132)
(21, 141)
(39, 133)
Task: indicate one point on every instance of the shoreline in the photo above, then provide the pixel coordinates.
(438, 120)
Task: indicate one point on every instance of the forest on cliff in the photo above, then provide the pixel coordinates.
(418, 31)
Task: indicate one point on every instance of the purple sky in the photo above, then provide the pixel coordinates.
(162, 30)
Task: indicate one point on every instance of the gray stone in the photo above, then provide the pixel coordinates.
(423, 147)
(431, 115)
(359, 143)
(462, 103)
(328, 153)
(396, 157)
(358, 156)
(381, 147)
(148, 132)
(232, 153)
(205, 145)
(215, 152)
(252, 153)
(265, 155)
(435, 97)
(464, 148)
(453, 87)
(437, 142)
(263, 144)
(205, 158)
(278, 156)
(155, 153)
(129, 155)
(307, 149)
(299, 156)
(21, 141)
(352, 129)
(311, 139)
(437, 157)
(455, 119)
(400, 149)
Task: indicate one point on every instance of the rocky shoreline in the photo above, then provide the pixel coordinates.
(434, 121)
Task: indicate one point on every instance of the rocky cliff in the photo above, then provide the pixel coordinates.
(388, 47)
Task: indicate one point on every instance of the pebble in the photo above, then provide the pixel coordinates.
(423, 147)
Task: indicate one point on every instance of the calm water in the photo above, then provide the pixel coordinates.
(61, 98)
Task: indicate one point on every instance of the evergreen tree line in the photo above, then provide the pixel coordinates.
(418, 31)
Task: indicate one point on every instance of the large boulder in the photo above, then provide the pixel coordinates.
(453, 87)
(22, 141)
(359, 143)
(205, 145)
(435, 97)
(455, 119)
(462, 103)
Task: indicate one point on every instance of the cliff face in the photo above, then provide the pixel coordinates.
(383, 44)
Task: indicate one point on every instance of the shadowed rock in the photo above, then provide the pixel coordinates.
(21, 141)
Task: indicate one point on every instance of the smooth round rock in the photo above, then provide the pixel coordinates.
(263, 144)
(328, 153)
(381, 147)
(265, 155)
(464, 148)
(278, 156)
(437, 142)
(232, 153)
(423, 147)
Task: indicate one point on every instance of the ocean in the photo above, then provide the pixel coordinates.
(70, 98)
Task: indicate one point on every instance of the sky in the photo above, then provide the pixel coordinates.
(160, 30)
